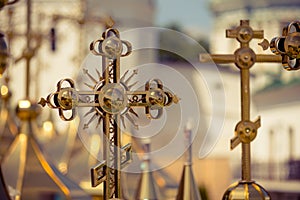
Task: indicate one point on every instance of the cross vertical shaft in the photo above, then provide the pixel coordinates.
(245, 112)
(111, 130)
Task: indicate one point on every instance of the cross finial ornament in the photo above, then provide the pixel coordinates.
(288, 46)
(244, 33)
(111, 100)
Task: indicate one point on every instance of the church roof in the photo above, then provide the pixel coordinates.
(277, 95)
(28, 172)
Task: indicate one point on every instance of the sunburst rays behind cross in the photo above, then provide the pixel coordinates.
(97, 112)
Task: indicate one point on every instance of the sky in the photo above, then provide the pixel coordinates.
(191, 13)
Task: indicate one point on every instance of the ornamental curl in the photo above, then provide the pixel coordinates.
(288, 46)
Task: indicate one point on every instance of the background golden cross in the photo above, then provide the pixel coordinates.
(244, 58)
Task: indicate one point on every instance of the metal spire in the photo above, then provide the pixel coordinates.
(147, 188)
(188, 189)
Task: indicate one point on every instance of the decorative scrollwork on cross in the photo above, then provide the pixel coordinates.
(288, 46)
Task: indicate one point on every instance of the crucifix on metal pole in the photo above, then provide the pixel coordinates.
(111, 101)
(246, 130)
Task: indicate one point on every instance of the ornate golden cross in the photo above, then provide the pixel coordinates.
(111, 101)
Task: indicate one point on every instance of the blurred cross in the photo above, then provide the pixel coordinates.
(244, 58)
(111, 101)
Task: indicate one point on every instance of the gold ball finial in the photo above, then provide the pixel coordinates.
(27, 110)
(246, 190)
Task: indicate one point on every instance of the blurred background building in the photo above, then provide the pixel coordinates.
(64, 30)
